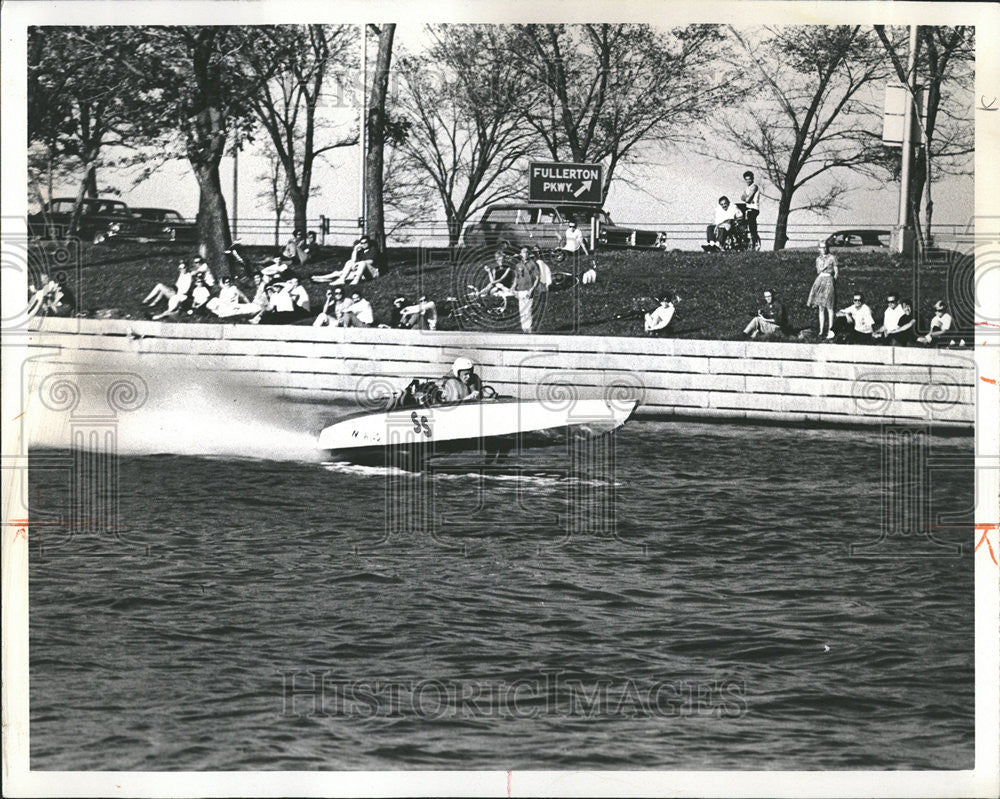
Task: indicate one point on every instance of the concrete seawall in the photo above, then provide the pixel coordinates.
(675, 378)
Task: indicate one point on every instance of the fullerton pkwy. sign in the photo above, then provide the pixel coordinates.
(565, 183)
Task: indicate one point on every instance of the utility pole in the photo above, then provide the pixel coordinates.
(902, 238)
(236, 194)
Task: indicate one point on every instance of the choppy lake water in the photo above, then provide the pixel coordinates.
(686, 600)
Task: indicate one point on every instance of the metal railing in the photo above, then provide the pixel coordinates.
(679, 235)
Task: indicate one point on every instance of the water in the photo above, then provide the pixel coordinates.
(692, 603)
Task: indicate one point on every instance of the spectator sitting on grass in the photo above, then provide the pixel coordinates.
(290, 252)
(174, 296)
(361, 263)
(334, 307)
(308, 250)
(890, 318)
(54, 298)
(358, 313)
(940, 324)
(201, 268)
(726, 215)
(657, 320)
(855, 320)
(420, 316)
(231, 301)
(897, 328)
(278, 268)
(200, 295)
(771, 318)
(287, 302)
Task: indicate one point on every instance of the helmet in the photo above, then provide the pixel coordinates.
(461, 365)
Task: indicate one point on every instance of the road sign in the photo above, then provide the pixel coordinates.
(897, 101)
(565, 183)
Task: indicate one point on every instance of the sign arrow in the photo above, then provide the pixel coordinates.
(584, 188)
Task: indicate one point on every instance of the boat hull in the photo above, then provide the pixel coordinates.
(407, 437)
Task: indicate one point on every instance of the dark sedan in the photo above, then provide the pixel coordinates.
(157, 224)
(98, 220)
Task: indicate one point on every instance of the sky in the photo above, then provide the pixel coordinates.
(678, 186)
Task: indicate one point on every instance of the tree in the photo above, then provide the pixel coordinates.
(200, 92)
(601, 92)
(808, 112)
(377, 130)
(276, 191)
(945, 55)
(464, 102)
(82, 98)
(291, 64)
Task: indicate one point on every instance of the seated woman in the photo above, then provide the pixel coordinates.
(231, 301)
(175, 297)
(360, 264)
(657, 320)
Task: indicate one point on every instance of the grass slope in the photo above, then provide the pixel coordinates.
(720, 292)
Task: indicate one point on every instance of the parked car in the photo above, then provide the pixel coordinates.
(859, 240)
(149, 224)
(543, 224)
(99, 219)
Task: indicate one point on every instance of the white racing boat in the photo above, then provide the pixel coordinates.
(408, 436)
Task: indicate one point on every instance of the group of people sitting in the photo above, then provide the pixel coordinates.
(278, 295)
(856, 323)
(51, 297)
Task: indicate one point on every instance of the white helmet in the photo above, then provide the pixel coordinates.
(461, 364)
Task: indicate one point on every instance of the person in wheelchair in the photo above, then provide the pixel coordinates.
(727, 217)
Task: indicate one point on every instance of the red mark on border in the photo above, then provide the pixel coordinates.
(987, 324)
(18, 416)
(985, 537)
(988, 380)
(509, 772)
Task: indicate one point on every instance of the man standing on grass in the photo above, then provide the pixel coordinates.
(526, 280)
(771, 318)
(574, 244)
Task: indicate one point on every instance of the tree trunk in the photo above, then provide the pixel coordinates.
(213, 219)
(299, 202)
(81, 192)
(90, 183)
(781, 221)
(374, 159)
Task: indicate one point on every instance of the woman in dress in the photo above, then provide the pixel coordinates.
(823, 294)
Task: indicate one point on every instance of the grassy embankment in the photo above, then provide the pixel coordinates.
(720, 292)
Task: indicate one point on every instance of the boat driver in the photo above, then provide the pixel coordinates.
(462, 384)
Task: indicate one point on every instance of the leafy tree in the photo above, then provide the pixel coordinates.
(468, 131)
(200, 93)
(602, 92)
(82, 98)
(808, 111)
(292, 65)
(945, 57)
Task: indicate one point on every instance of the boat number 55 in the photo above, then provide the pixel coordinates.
(420, 424)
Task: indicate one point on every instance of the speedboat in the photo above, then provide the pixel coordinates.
(408, 436)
